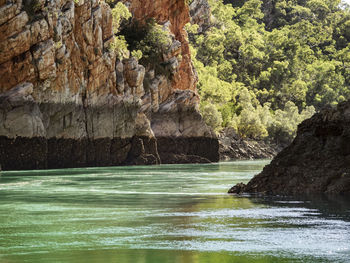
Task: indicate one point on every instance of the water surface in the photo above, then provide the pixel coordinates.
(169, 213)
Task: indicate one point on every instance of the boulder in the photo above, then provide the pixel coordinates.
(317, 161)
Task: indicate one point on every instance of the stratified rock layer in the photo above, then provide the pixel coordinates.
(318, 160)
(66, 100)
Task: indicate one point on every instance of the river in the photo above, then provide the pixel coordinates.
(167, 213)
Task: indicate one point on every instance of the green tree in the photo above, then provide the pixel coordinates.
(212, 116)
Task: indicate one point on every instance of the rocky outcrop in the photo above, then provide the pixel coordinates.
(318, 160)
(66, 100)
(233, 147)
(200, 14)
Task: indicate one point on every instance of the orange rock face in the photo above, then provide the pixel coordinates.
(177, 13)
(62, 48)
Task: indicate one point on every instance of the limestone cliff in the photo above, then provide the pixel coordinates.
(67, 101)
(318, 160)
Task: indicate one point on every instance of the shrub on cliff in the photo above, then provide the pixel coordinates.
(119, 45)
(154, 43)
(148, 41)
(119, 12)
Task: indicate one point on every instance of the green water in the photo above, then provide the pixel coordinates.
(170, 213)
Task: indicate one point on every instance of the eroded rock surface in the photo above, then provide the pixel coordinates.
(66, 100)
(318, 160)
(233, 147)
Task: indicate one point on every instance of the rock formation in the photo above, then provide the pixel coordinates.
(233, 147)
(200, 14)
(66, 100)
(317, 161)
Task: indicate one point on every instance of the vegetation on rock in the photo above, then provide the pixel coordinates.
(148, 42)
(119, 13)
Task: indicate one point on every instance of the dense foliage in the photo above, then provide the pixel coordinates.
(145, 41)
(264, 66)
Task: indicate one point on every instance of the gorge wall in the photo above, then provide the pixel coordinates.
(66, 100)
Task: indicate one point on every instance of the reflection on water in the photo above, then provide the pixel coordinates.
(170, 213)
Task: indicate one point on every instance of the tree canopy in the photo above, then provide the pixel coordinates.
(264, 66)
